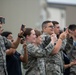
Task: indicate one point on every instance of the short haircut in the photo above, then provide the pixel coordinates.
(27, 32)
(45, 22)
(37, 33)
(6, 33)
(72, 27)
(55, 22)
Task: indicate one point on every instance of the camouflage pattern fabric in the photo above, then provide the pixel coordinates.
(4, 43)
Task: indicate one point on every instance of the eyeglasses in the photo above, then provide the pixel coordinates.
(51, 26)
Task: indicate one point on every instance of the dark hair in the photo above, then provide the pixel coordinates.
(72, 27)
(55, 22)
(27, 32)
(45, 22)
(6, 33)
(2, 20)
(38, 33)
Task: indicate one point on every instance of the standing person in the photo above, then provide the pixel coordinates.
(4, 44)
(54, 62)
(65, 58)
(72, 31)
(40, 60)
(34, 52)
(14, 58)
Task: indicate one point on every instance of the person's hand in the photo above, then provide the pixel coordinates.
(24, 46)
(53, 38)
(63, 35)
(73, 63)
(20, 34)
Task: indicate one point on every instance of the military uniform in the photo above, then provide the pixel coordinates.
(66, 54)
(36, 59)
(72, 58)
(4, 44)
(68, 46)
(54, 63)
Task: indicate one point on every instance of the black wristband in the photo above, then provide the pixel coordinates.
(20, 36)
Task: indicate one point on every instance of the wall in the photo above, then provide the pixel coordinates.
(17, 12)
(57, 14)
(70, 15)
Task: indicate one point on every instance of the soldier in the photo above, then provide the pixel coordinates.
(34, 52)
(5, 44)
(66, 58)
(65, 54)
(72, 31)
(40, 60)
(54, 62)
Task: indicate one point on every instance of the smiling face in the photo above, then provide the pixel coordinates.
(32, 37)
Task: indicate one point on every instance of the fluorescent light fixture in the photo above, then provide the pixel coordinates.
(70, 2)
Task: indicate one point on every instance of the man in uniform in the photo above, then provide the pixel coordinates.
(54, 62)
(72, 31)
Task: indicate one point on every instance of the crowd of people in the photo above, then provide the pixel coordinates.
(47, 52)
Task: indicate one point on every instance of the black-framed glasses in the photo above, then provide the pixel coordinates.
(51, 26)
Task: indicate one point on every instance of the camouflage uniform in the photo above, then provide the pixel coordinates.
(68, 46)
(72, 58)
(67, 51)
(54, 63)
(4, 43)
(36, 61)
